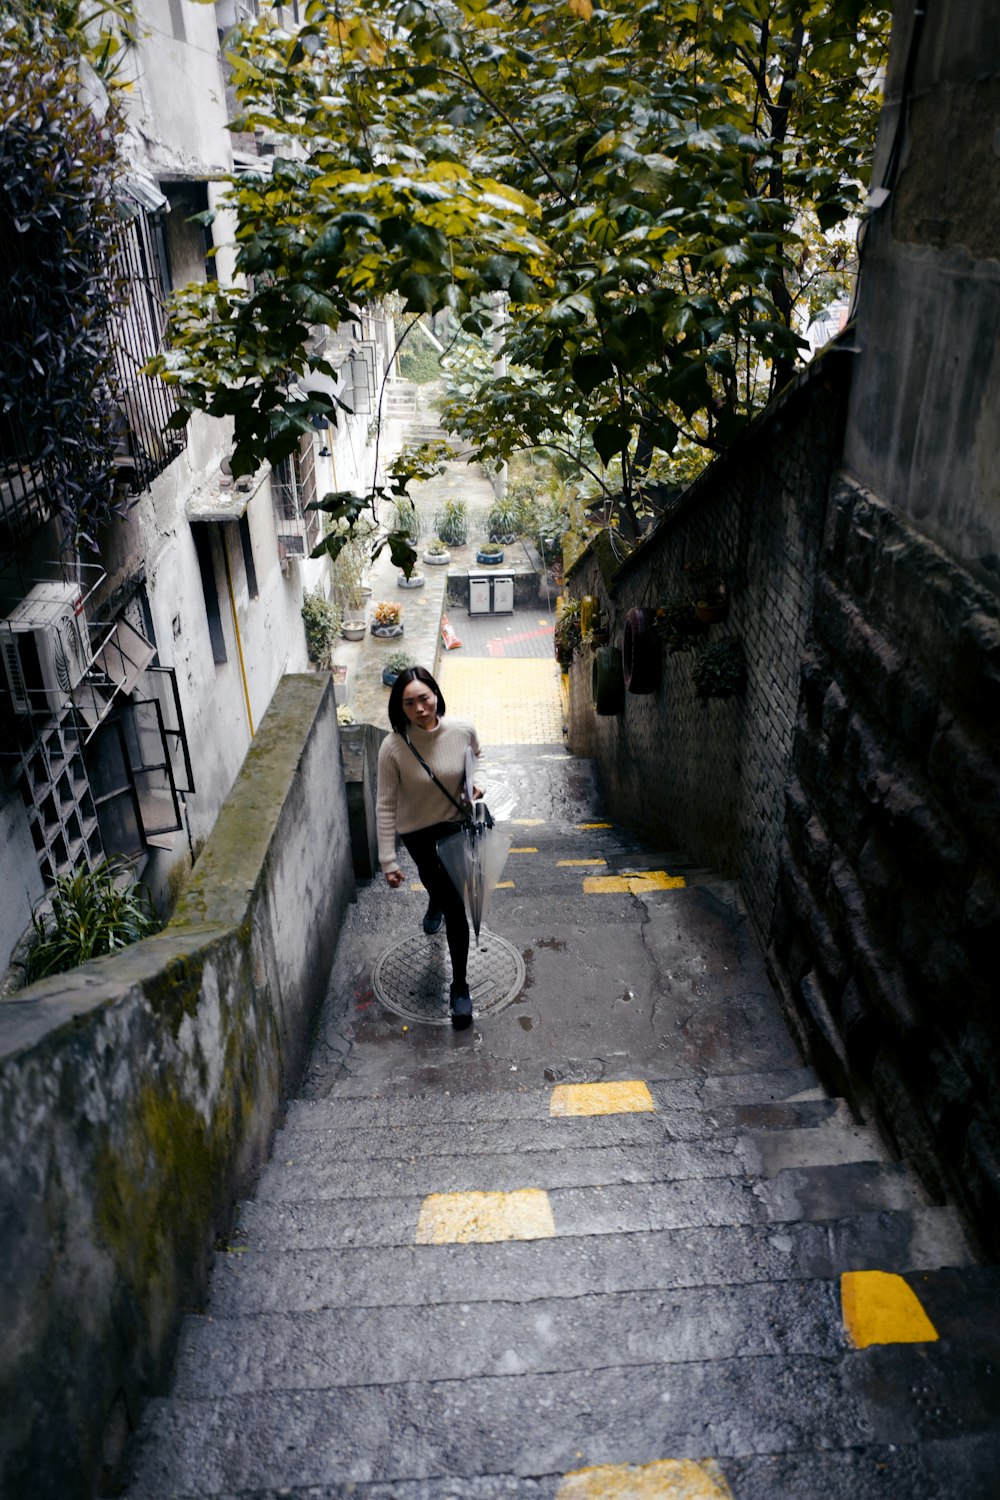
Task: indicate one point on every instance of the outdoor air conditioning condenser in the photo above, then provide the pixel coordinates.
(45, 647)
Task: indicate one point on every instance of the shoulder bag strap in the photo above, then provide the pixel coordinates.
(462, 809)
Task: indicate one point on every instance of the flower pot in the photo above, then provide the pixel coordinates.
(489, 559)
(415, 581)
(353, 625)
(714, 609)
(389, 677)
(387, 632)
(436, 559)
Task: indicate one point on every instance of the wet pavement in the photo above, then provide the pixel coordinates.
(612, 1241)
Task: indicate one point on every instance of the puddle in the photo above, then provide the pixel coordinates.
(525, 1023)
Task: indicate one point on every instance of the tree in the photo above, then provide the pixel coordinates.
(650, 188)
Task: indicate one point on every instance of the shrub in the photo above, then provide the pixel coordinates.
(322, 622)
(721, 672)
(93, 913)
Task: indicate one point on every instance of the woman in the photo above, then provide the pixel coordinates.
(419, 809)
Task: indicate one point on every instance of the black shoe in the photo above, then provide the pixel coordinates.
(432, 921)
(461, 1006)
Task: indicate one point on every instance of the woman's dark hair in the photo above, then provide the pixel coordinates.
(397, 718)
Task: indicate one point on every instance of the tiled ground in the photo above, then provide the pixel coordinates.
(527, 633)
(515, 702)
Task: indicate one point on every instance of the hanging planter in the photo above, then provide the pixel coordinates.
(641, 655)
(709, 595)
(608, 681)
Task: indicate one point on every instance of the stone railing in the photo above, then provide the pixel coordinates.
(138, 1096)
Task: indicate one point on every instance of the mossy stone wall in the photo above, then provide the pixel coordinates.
(138, 1096)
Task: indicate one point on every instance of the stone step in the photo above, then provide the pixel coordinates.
(306, 1165)
(271, 1278)
(357, 1104)
(697, 1272)
(947, 1469)
(476, 1138)
(557, 1422)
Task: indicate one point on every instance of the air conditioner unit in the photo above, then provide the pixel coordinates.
(45, 647)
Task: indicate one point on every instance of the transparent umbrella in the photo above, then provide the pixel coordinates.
(474, 858)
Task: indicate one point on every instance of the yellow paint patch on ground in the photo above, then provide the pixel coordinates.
(528, 822)
(568, 863)
(504, 885)
(484, 1218)
(632, 885)
(880, 1308)
(415, 885)
(526, 849)
(593, 825)
(511, 702)
(630, 1097)
(667, 1479)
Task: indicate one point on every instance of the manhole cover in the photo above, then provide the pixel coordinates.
(412, 977)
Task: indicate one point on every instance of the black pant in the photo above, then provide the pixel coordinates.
(441, 893)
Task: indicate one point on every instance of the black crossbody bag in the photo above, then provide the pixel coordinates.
(469, 819)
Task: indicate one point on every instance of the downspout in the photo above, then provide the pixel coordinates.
(236, 631)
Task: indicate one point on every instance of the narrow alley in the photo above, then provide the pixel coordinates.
(612, 1241)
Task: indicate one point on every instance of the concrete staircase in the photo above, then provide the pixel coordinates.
(649, 1302)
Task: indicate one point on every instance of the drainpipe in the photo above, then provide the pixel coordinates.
(236, 631)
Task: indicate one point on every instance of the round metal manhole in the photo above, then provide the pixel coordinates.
(412, 977)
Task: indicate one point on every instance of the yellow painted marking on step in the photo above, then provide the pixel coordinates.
(505, 885)
(567, 863)
(666, 1479)
(880, 1308)
(528, 822)
(527, 850)
(632, 885)
(629, 1097)
(593, 825)
(483, 1218)
(415, 885)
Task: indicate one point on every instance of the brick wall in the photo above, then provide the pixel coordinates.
(709, 778)
(887, 923)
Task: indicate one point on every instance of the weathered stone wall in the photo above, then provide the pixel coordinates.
(708, 779)
(138, 1095)
(888, 920)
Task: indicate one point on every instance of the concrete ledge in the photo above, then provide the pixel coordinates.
(138, 1095)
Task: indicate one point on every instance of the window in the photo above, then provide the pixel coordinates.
(248, 563)
(202, 533)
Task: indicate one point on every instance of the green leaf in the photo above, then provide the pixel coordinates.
(609, 439)
(592, 370)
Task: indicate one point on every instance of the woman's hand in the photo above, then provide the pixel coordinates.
(477, 793)
(394, 878)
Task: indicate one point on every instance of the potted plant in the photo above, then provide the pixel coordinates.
(322, 622)
(489, 553)
(709, 595)
(501, 521)
(395, 662)
(677, 625)
(721, 671)
(567, 632)
(345, 715)
(387, 620)
(415, 580)
(436, 554)
(452, 523)
(347, 572)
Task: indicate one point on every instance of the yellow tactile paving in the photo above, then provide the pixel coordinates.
(631, 1096)
(570, 863)
(880, 1308)
(514, 702)
(634, 884)
(666, 1479)
(484, 1218)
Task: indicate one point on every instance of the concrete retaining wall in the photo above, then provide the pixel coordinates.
(138, 1095)
(708, 779)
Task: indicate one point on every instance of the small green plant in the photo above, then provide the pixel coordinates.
(437, 548)
(678, 625)
(322, 622)
(452, 523)
(345, 715)
(397, 661)
(502, 521)
(567, 632)
(94, 912)
(721, 671)
(491, 549)
(406, 519)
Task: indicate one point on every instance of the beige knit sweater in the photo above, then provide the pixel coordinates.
(407, 797)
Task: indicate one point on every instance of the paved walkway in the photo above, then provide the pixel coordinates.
(611, 1242)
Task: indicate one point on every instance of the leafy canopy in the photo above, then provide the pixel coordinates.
(647, 191)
